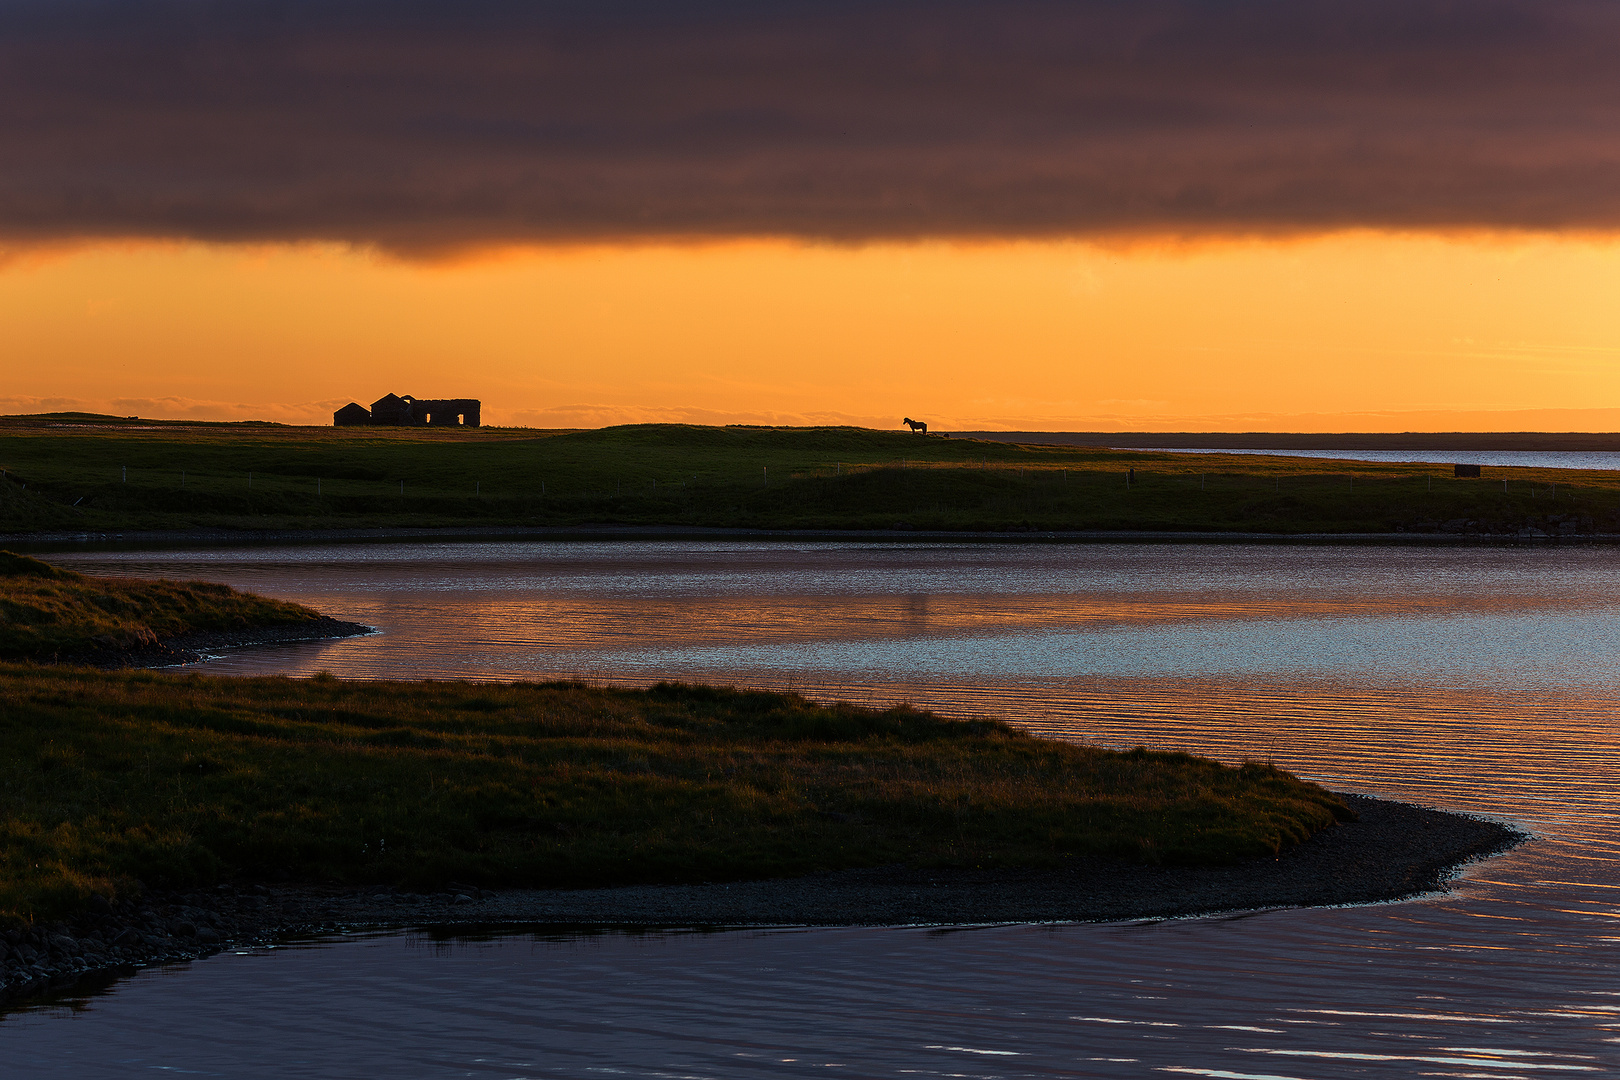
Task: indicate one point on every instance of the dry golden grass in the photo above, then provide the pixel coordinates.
(46, 611)
(106, 778)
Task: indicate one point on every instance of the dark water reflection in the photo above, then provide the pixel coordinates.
(1474, 679)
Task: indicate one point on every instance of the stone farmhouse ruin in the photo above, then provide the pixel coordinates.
(407, 411)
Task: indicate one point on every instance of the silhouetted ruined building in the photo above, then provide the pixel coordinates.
(447, 412)
(351, 415)
(390, 409)
(396, 411)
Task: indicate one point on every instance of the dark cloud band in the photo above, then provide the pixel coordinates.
(412, 123)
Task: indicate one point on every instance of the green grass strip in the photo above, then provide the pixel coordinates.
(113, 778)
(82, 476)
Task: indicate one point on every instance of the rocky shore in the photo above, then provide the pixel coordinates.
(1394, 851)
(190, 648)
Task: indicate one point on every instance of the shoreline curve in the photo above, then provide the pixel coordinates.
(189, 648)
(1395, 851)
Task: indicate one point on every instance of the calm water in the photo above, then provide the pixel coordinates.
(1604, 460)
(1481, 680)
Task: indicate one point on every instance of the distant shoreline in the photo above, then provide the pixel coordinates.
(673, 481)
(163, 539)
(1460, 441)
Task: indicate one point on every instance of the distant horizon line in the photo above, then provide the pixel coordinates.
(1192, 438)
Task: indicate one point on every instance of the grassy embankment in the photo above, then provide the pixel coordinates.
(99, 474)
(49, 612)
(175, 779)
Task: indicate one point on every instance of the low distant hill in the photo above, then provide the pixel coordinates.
(80, 478)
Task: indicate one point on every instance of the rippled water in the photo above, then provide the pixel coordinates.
(1476, 679)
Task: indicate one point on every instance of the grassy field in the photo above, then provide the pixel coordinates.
(176, 779)
(96, 473)
(47, 612)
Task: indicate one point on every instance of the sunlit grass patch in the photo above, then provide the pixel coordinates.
(46, 611)
(173, 779)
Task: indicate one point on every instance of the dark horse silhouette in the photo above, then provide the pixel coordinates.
(916, 425)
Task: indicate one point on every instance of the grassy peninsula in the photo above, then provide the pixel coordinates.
(88, 473)
(181, 779)
(47, 612)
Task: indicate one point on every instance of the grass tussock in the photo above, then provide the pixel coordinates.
(46, 611)
(111, 778)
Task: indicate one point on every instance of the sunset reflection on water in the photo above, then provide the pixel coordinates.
(1482, 680)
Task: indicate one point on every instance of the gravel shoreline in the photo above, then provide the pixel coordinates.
(1394, 851)
(192, 647)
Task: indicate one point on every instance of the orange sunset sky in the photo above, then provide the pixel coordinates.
(1408, 331)
(1363, 331)
(1021, 216)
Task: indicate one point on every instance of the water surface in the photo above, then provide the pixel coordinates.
(1479, 680)
(1603, 460)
